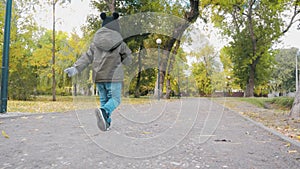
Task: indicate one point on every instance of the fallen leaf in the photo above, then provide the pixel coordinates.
(39, 117)
(24, 117)
(4, 134)
(298, 137)
(292, 151)
(288, 145)
(145, 132)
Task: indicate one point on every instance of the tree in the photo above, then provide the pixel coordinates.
(204, 69)
(190, 16)
(23, 29)
(53, 3)
(283, 71)
(42, 58)
(295, 111)
(254, 26)
(189, 12)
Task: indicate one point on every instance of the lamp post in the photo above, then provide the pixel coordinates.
(297, 76)
(5, 59)
(158, 42)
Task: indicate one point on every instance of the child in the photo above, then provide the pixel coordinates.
(106, 53)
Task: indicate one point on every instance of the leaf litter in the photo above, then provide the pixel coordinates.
(273, 118)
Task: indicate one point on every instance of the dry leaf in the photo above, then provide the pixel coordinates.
(292, 151)
(24, 117)
(39, 117)
(298, 137)
(145, 132)
(4, 134)
(288, 145)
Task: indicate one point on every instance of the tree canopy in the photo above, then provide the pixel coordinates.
(253, 26)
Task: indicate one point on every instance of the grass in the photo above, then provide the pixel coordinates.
(259, 102)
(282, 103)
(44, 104)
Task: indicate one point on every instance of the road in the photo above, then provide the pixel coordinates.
(176, 134)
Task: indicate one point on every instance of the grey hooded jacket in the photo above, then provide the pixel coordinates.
(106, 53)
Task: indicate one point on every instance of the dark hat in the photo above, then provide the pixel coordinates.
(111, 22)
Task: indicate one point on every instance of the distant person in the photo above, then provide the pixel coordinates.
(106, 53)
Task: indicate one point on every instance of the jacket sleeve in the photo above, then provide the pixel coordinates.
(125, 53)
(85, 59)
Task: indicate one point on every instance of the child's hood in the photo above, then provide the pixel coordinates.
(107, 39)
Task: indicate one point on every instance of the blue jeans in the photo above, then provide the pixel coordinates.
(110, 96)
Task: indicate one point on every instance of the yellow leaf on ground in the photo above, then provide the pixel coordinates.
(298, 137)
(4, 134)
(288, 145)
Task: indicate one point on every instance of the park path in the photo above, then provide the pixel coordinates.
(185, 133)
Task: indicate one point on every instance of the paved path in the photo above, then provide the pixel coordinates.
(186, 133)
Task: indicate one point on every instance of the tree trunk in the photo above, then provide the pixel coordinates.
(111, 4)
(295, 111)
(250, 85)
(138, 80)
(170, 68)
(191, 17)
(75, 89)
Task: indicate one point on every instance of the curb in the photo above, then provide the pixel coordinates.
(13, 115)
(274, 132)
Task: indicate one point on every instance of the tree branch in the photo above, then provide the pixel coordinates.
(296, 12)
(193, 14)
(235, 22)
(251, 31)
(111, 5)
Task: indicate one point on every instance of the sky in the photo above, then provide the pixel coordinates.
(72, 16)
(69, 18)
(292, 38)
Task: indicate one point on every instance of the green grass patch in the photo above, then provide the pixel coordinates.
(276, 102)
(282, 102)
(259, 102)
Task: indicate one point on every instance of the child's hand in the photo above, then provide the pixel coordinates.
(71, 71)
